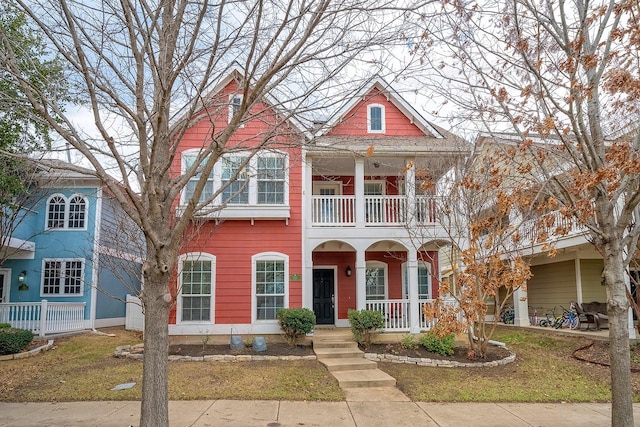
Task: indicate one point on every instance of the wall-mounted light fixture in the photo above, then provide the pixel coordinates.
(22, 285)
(348, 271)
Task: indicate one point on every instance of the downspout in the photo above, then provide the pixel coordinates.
(95, 261)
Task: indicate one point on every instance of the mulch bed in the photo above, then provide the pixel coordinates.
(494, 353)
(273, 349)
(597, 352)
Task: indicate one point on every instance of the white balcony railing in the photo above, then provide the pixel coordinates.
(548, 226)
(44, 318)
(394, 311)
(378, 210)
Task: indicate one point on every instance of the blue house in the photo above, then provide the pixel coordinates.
(71, 259)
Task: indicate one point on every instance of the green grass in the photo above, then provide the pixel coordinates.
(543, 372)
(83, 368)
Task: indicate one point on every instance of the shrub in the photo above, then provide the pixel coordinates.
(365, 324)
(441, 345)
(295, 322)
(5, 325)
(14, 340)
(409, 342)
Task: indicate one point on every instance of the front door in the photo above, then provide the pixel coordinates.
(323, 296)
(4, 284)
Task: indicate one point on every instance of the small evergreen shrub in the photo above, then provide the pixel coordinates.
(296, 322)
(5, 325)
(409, 342)
(441, 345)
(365, 324)
(14, 340)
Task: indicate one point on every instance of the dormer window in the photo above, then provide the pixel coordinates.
(235, 101)
(375, 118)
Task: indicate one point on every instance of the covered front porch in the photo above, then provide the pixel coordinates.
(377, 275)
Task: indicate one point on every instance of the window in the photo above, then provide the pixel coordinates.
(424, 280)
(66, 214)
(196, 284)
(56, 209)
(243, 180)
(375, 285)
(187, 162)
(77, 211)
(271, 173)
(62, 276)
(271, 284)
(235, 101)
(375, 118)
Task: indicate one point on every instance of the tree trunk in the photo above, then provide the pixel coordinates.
(157, 302)
(617, 310)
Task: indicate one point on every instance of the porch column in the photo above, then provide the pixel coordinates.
(410, 189)
(520, 308)
(414, 307)
(359, 192)
(361, 279)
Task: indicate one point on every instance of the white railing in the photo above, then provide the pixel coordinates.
(378, 210)
(547, 227)
(334, 210)
(394, 311)
(385, 210)
(44, 317)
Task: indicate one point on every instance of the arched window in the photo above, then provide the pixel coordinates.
(77, 212)
(56, 208)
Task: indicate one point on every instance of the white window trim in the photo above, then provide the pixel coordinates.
(267, 256)
(196, 256)
(237, 210)
(421, 263)
(62, 294)
(183, 167)
(67, 213)
(232, 97)
(382, 118)
(385, 266)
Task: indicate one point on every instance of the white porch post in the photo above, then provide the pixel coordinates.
(410, 190)
(361, 279)
(520, 308)
(359, 192)
(307, 251)
(414, 307)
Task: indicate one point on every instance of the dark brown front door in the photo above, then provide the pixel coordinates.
(323, 296)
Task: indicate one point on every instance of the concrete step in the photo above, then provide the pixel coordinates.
(348, 364)
(334, 344)
(364, 378)
(328, 353)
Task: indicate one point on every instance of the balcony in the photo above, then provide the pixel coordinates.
(341, 211)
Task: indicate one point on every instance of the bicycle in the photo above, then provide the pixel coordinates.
(549, 320)
(569, 318)
(507, 315)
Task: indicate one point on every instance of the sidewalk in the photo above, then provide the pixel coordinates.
(263, 413)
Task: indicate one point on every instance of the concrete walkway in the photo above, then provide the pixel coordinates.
(249, 413)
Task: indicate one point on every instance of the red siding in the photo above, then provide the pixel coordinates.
(354, 123)
(234, 242)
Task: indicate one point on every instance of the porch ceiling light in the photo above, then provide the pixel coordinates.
(348, 271)
(22, 286)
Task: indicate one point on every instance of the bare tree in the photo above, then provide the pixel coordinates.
(144, 70)
(567, 72)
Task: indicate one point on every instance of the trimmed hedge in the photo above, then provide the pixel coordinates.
(14, 340)
(444, 346)
(365, 324)
(296, 322)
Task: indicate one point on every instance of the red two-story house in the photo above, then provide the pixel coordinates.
(341, 217)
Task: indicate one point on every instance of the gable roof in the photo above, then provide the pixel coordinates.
(392, 96)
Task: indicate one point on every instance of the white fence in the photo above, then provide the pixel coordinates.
(44, 317)
(134, 320)
(396, 313)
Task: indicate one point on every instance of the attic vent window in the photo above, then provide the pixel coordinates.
(235, 101)
(375, 119)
